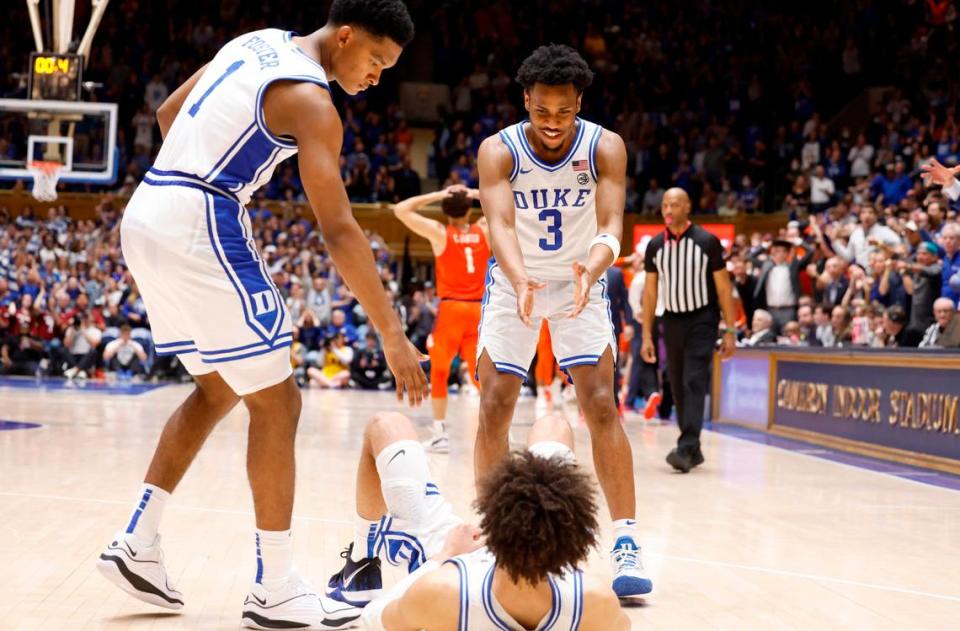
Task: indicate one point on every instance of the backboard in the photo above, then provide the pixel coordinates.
(80, 135)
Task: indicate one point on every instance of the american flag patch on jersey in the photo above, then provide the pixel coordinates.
(580, 165)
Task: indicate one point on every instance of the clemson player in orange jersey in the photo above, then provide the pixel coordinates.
(462, 252)
(546, 372)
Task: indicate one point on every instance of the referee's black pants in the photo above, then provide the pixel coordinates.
(690, 339)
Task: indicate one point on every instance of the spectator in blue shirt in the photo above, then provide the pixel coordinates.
(682, 175)
(134, 311)
(878, 181)
(357, 154)
(887, 284)
(339, 324)
(33, 284)
(260, 210)
(836, 168)
(73, 288)
(948, 152)
(380, 155)
(951, 260)
(462, 169)
(26, 220)
(749, 195)
(895, 185)
(489, 119)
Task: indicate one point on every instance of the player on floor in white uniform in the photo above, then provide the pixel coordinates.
(553, 191)
(187, 239)
(538, 523)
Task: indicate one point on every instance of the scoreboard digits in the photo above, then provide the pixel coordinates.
(51, 65)
(55, 76)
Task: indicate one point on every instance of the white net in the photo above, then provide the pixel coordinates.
(45, 178)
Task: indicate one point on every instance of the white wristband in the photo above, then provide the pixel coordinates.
(608, 240)
(953, 191)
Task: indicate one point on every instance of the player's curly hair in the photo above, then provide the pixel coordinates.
(382, 18)
(456, 204)
(539, 515)
(555, 64)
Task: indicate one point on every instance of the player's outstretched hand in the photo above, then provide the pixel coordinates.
(525, 290)
(404, 361)
(462, 539)
(581, 289)
(936, 173)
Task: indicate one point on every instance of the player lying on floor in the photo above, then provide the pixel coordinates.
(538, 525)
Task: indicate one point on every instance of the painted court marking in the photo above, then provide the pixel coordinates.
(900, 507)
(196, 509)
(12, 425)
(805, 453)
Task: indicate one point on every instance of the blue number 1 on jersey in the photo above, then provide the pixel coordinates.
(553, 229)
(226, 73)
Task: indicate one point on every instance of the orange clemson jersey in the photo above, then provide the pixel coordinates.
(462, 267)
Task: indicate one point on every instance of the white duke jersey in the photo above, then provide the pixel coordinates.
(480, 611)
(556, 213)
(220, 139)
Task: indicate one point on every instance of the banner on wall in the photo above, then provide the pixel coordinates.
(744, 384)
(907, 407)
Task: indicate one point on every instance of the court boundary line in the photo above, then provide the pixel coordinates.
(183, 507)
(800, 453)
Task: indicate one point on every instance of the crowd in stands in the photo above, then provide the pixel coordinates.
(731, 101)
(734, 102)
(69, 306)
(868, 250)
(870, 257)
(861, 273)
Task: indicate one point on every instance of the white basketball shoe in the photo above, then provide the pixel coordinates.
(629, 577)
(296, 605)
(438, 443)
(138, 570)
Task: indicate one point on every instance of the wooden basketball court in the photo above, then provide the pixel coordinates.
(758, 538)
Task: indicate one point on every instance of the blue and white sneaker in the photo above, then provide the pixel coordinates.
(629, 577)
(358, 582)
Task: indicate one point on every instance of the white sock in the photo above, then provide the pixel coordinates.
(364, 539)
(274, 558)
(405, 479)
(625, 528)
(145, 520)
(439, 428)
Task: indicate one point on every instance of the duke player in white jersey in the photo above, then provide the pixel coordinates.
(187, 239)
(538, 523)
(553, 191)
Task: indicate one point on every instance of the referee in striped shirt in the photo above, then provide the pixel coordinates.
(685, 262)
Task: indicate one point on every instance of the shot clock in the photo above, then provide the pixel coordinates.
(55, 76)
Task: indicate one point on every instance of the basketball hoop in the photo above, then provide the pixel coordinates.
(45, 178)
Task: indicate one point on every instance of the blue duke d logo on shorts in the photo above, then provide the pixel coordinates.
(246, 270)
